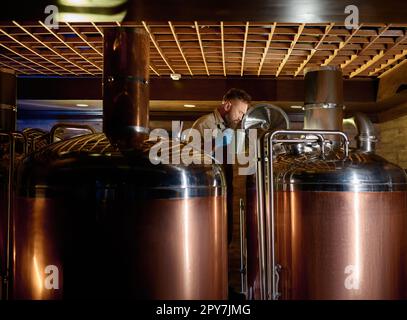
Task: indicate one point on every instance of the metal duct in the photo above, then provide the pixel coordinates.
(323, 98)
(125, 86)
(366, 137)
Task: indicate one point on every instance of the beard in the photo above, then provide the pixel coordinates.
(230, 123)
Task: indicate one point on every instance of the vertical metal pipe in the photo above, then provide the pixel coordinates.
(260, 180)
(8, 120)
(243, 251)
(126, 86)
(7, 249)
(8, 105)
(323, 98)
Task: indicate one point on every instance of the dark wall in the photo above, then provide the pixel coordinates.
(374, 11)
(203, 89)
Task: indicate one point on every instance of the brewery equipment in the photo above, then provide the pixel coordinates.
(12, 149)
(263, 118)
(97, 219)
(332, 220)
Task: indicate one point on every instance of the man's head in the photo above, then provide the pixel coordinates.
(234, 106)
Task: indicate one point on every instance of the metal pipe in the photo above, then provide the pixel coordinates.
(269, 218)
(260, 216)
(126, 86)
(6, 273)
(366, 137)
(323, 105)
(243, 254)
(8, 105)
(68, 126)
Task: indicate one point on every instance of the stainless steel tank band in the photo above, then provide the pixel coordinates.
(322, 106)
(136, 129)
(44, 191)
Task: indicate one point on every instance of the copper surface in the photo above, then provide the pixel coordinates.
(252, 232)
(147, 249)
(126, 85)
(335, 245)
(342, 245)
(3, 230)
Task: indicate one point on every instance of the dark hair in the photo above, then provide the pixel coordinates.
(237, 94)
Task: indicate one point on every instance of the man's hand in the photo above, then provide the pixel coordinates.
(225, 138)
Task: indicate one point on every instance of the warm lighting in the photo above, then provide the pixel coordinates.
(175, 76)
(189, 105)
(84, 17)
(357, 245)
(82, 105)
(296, 107)
(37, 274)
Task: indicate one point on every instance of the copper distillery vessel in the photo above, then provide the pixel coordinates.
(332, 224)
(8, 155)
(97, 213)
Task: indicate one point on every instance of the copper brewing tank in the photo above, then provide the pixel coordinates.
(341, 229)
(8, 119)
(337, 221)
(111, 224)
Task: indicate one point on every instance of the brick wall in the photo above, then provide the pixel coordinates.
(392, 143)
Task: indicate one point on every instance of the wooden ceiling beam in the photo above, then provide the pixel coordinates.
(366, 65)
(266, 49)
(314, 50)
(366, 47)
(21, 63)
(179, 47)
(83, 38)
(30, 60)
(97, 28)
(201, 47)
(397, 57)
(11, 67)
(287, 56)
(211, 48)
(60, 39)
(152, 38)
(37, 54)
(223, 48)
(341, 46)
(244, 47)
(52, 49)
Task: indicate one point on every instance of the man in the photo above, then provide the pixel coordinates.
(228, 115)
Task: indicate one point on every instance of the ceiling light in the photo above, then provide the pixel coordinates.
(175, 76)
(296, 107)
(82, 105)
(189, 105)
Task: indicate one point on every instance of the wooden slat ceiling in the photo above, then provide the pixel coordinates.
(209, 48)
